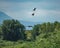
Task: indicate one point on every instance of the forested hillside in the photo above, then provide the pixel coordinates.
(13, 34)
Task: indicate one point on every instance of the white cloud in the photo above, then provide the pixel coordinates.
(40, 15)
(23, 11)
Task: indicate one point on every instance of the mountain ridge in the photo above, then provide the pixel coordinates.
(3, 16)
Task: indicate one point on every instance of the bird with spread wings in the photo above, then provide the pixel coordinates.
(33, 10)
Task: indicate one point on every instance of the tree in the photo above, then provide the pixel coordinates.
(48, 27)
(12, 30)
(35, 31)
(0, 32)
(43, 28)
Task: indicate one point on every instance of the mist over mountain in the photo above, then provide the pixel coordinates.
(3, 17)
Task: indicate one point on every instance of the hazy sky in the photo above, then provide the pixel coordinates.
(47, 10)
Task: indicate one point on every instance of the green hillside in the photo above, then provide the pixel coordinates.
(45, 35)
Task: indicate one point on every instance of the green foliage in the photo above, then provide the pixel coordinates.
(53, 41)
(46, 35)
(12, 30)
(1, 32)
(45, 28)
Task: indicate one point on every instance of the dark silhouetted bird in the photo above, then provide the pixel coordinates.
(33, 14)
(34, 9)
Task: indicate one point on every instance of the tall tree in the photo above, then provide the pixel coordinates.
(12, 30)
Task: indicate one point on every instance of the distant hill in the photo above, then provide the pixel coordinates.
(3, 16)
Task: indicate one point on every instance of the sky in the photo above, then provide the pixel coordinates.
(47, 10)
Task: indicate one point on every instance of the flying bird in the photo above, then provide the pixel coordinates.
(33, 14)
(34, 9)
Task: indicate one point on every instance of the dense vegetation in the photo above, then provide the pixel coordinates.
(12, 30)
(14, 35)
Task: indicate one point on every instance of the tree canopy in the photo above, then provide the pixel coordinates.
(12, 30)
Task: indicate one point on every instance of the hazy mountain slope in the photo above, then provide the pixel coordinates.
(3, 16)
